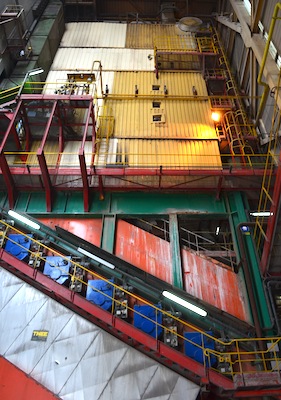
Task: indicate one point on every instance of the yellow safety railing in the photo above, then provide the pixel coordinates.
(55, 159)
(229, 357)
(8, 95)
(185, 44)
(265, 199)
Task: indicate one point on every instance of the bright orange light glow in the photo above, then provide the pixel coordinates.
(216, 116)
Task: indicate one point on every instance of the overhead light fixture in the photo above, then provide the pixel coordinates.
(216, 116)
(36, 71)
(95, 258)
(24, 220)
(184, 303)
(261, 213)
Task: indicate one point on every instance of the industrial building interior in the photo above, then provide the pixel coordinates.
(140, 193)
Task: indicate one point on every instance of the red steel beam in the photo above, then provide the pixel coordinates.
(44, 139)
(142, 172)
(83, 100)
(76, 301)
(46, 178)
(275, 393)
(9, 181)
(11, 127)
(86, 124)
(84, 177)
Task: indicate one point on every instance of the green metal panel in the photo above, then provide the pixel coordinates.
(238, 216)
(175, 251)
(75, 203)
(43, 27)
(40, 44)
(135, 203)
(108, 232)
(3, 199)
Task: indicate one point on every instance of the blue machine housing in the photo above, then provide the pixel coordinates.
(196, 352)
(57, 268)
(100, 293)
(18, 245)
(146, 318)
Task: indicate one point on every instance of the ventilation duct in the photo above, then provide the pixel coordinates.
(188, 24)
(168, 13)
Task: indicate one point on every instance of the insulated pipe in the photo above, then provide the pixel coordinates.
(268, 283)
(248, 277)
(266, 50)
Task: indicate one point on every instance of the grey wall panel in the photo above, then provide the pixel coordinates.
(78, 361)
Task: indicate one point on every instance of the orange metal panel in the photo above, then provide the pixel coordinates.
(16, 385)
(202, 278)
(216, 285)
(87, 229)
(143, 250)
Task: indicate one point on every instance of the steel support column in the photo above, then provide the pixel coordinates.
(10, 127)
(175, 251)
(46, 178)
(84, 177)
(44, 139)
(8, 178)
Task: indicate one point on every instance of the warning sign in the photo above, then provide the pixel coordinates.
(40, 335)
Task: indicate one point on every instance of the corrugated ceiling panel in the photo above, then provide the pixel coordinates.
(179, 119)
(73, 59)
(50, 150)
(143, 35)
(97, 34)
(70, 158)
(177, 83)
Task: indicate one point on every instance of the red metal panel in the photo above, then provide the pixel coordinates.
(16, 385)
(143, 250)
(212, 283)
(87, 229)
(46, 178)
(152, 255)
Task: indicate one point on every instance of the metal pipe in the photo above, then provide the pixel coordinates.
(268, 283)
(266, 50)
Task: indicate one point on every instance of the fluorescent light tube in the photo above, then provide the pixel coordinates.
(23, 219)
(35, 72)
(96, 258)
(185, 303)
(261, 214)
